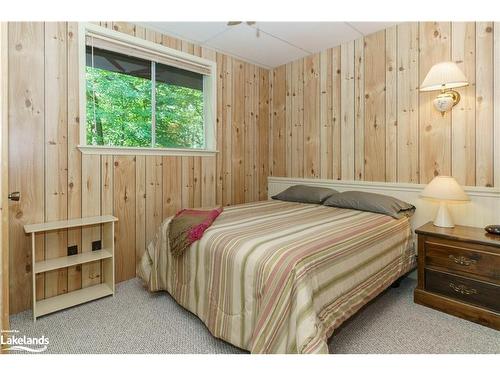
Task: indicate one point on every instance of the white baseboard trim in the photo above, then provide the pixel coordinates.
(482, 210)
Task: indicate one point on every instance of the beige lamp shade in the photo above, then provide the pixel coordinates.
(444, 188)
(443, 76)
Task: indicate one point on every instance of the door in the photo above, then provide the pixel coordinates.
(4, 216)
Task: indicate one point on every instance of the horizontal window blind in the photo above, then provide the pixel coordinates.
(103, 42)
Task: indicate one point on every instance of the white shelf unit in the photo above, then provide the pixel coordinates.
(106, 255)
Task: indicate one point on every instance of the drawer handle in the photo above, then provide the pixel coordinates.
(463, 261)
(462, 289)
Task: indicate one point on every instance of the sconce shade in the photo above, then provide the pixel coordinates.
(444, 188)
(443, 76)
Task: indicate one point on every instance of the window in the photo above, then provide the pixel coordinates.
(141, 96)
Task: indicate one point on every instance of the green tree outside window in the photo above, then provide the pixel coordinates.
(119, 105)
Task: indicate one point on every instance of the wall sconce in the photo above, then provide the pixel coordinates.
(444, 76)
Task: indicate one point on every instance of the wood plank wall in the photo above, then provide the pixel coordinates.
(4, 203)
(57, 182)
(355, 112)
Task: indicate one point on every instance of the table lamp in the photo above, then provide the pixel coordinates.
(444, 189)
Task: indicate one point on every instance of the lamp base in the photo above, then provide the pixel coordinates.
(443, 218)
(445, 101)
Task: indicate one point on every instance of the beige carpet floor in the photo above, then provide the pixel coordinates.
(135, 321)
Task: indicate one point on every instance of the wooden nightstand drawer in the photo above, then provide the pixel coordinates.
(464, 289)
(459, 272)
(468, 258)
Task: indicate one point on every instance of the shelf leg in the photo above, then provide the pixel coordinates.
(33, 275)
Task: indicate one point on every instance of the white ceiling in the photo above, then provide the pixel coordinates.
(277, 42)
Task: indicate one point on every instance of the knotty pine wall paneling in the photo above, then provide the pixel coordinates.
(74, 155)
(435, 129)
(57, 181)
(374, 123)
(463, 50)
(360, 102)
(391, 102)
(263, 133)
(407, 66)
(326, 126)
(278, 116)
(297, 127)
(374, 134)
(56, 151)
(312, 116)
(26, 155)
(484, 103)
(347, 100)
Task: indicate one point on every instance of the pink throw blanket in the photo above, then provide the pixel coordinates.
(188, 226)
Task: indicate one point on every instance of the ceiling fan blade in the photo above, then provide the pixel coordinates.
(233, 23)
(250, 23)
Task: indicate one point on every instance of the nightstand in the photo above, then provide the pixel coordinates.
(459, 272)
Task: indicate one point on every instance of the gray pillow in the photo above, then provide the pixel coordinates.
(378, 203)
(304, 194)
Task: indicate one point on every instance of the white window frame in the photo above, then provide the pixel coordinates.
(209, 93)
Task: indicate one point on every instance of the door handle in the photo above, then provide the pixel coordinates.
(15, 196)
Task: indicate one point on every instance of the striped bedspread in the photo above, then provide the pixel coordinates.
(279, 277)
